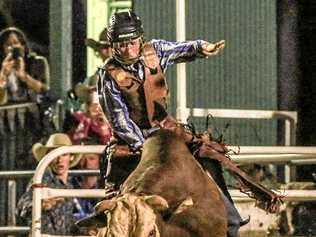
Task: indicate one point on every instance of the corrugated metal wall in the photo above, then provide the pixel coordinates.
(243, 76)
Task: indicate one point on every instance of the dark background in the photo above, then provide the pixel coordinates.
(32, 16)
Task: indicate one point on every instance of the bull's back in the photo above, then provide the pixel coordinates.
(167, 168)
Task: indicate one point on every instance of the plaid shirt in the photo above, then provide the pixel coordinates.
(110, 96)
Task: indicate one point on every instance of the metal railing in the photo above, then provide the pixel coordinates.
(242, 159)
(12, 176)
(11, 112)
(307, 156)
(18, 110)
(289, 118)
(40, 193)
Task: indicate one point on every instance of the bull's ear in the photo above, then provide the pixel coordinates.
(105, 205)
(95, 220)
(157, 202)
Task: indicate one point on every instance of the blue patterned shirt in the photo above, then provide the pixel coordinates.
(110, 96)
(60, 219)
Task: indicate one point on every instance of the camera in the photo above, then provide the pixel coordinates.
(16, 52)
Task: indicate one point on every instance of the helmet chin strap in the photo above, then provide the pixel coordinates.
(124, 61)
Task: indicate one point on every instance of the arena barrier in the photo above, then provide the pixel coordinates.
(40, 193)
(13, 111)
(242, 159)
(303, 156)
(288, 117)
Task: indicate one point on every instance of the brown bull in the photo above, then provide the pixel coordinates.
(168, 194)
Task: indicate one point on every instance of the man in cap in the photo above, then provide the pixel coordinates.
(81, 97)
(57, 215)
(132, 85)
(101, 48)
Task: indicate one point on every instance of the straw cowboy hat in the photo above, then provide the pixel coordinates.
(55, 140)
(102, 43)
(86, 93)
(3, 96)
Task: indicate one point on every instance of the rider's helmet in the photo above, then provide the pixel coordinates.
(124, 26)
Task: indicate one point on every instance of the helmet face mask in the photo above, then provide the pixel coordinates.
(128, 52)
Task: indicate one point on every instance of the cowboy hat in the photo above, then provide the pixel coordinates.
(3, 96)
(86, 93)
(102, 43)
(55, 140)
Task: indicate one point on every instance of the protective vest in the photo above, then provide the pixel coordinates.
(142, 96)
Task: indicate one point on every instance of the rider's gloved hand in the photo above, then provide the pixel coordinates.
(211, 49)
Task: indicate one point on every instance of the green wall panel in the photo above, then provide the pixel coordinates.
(243, 76)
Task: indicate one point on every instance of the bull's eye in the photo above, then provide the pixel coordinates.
(152, 233)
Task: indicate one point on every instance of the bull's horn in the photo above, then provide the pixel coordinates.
(157, 202)
(105, 205)
(95, 220)
(188, 202)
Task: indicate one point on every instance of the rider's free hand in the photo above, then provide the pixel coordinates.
(210, 49)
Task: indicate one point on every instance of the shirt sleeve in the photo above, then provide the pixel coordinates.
(116, 111)
(177, 52)
(25, 202)
(24, 205)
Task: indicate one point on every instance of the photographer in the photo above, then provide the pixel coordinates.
(23, 74)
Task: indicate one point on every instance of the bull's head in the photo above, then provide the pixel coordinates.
(127, 216)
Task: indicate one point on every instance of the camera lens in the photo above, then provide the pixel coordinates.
(16, 52)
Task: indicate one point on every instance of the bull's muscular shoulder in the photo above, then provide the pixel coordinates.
(170, 145)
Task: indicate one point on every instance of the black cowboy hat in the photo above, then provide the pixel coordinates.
(102, 43)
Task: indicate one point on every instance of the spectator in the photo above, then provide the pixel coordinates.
(57, 213)
(91, 122)
(101, 48)
(23, 74)
(88, 162)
